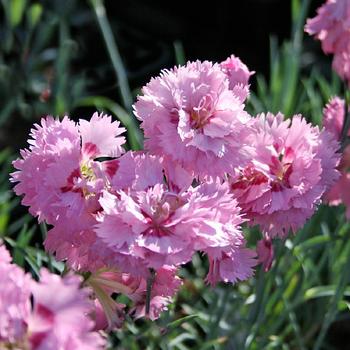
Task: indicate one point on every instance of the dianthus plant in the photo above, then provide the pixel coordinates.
(128, 221)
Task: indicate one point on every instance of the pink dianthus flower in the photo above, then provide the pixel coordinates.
(265, 252)
(331, 26)
(161, 225)
(58, 174)
(333, 116)
(14, 300)
(333, 120)
(59, 319)
(238, 75)
(294, 164)
(164, 284)
(62, 181)
(191, 117)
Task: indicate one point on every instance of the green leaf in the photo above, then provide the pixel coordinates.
(312, 242)
(16, 11)
(180, 57)
(22, 242)
(113, 51)
(34, 14)
(323, 291)
(343, 305)
(180, 321)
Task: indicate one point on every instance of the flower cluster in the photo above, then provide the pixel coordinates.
(52, 322)
(331, 26)
(132, 220)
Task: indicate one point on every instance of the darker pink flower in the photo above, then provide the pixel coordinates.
(265, 252)
(333, 116)
(331, 26)
(191, 117)
(59, 319)
(14, 300)
(333, 120)
(165, 284)
(294, 164)
(340, 193)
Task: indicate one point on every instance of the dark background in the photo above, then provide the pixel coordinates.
(147, 29)
(145, 32)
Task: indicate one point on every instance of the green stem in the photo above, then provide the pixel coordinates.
(113, 52)
(292, 317)
(150, 281)
(112, 48)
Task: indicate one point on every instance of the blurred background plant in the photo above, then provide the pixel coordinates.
(73, 57)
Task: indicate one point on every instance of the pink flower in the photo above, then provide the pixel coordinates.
(265, 252)
(58, 174)
(144, 222)
(59, 319)
(164, 287)
(294, 165)
(340, 193)
(341, 64)
(62, 181)
(108, 313)
(192, 118)
(333, 116)
(230, 265)
(333, 119)
(14, 300)
(4, 254)
(331, 26)
(53, 141)
(73, 241)
(161, 226)
(238, 75)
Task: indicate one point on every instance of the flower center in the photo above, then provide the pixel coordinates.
(87, 172)
(201, 115)
(249, 177)
(282, 170)
(161, 213)
(198, 119)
